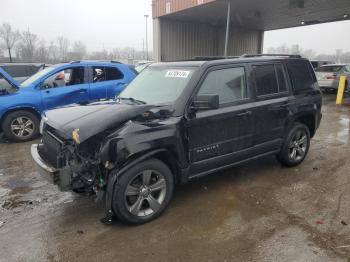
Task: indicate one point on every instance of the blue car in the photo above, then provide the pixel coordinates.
(79, 82)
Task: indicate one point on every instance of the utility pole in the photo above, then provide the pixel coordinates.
(228, 19)
(146, 16)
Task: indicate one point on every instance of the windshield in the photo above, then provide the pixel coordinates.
(38, 75)
(332, 69)
(157, 85)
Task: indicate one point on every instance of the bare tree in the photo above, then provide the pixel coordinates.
(42, 52)
(78, 51)
(53, 53)
(27, 46)
(9, 37)
(63, 47)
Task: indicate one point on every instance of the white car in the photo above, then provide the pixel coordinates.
(328, 76)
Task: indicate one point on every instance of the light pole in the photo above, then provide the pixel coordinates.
(146, 16)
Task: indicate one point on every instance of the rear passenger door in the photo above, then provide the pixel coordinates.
(105, 82)
(273, 101)
(220, 137)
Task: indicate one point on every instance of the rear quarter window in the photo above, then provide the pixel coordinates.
(301, 75)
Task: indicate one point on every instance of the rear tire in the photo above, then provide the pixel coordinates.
(21, 126)
(295, 146)
(143, 192)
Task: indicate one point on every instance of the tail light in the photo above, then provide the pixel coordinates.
(331, 77)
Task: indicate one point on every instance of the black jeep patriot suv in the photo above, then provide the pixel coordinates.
(178, 121)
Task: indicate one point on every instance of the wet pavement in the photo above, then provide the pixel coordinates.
(259, 211)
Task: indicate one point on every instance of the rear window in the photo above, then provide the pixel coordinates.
(16, 70)
(332, 69)
(301, 75)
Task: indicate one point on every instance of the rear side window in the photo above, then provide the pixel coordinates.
(101, 74)
(228, 83)
(301, 75)
(269, 79)
(113, 73)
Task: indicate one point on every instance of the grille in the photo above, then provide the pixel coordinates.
(52, 149)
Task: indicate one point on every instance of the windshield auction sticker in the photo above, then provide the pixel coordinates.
(177, 73)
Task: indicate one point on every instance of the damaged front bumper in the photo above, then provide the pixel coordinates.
(59, 177)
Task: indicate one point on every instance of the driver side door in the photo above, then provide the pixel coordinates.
(220, 137)
(65, 87)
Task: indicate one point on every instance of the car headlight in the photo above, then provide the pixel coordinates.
(42, 123)
(75, 136)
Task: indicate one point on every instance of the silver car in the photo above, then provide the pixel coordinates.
(328, 76)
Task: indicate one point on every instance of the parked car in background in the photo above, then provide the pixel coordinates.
(328, 76)
(21, 71)
(318, 63)
(80, 82)
(179, 121)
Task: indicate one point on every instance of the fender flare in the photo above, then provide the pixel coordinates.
(113, 179)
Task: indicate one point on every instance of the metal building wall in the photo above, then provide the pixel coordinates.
(183, 40)
(175, 40)
(241, 41)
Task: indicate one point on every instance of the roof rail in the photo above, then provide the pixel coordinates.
(101, 61)
(208, 58)
(260, 55)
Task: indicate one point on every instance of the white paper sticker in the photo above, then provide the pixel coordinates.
(177, 73)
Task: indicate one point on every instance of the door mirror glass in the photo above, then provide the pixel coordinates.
(206, 101)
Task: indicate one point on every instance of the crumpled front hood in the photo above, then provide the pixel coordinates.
(92, 119)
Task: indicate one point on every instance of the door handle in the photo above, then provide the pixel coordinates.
(278, 107)
(246, 113)
(47, 91)
(82, 91)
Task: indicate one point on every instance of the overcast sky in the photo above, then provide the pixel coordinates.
(119, 23)
(97, 23)
(323, 38)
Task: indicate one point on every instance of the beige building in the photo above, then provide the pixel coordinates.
(186, 28)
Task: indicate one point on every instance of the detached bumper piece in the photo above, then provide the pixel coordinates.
(59, 177)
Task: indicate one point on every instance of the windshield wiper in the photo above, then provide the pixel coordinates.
(135, 101)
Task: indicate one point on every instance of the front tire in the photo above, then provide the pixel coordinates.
(21, 126)
(143, 192)
(295, 146)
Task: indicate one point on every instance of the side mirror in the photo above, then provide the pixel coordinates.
(205, 102)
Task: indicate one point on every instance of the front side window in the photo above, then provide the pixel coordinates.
(67, 77)
(158, 85)
(228, 83)
(37, 76)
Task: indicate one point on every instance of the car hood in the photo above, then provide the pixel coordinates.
(9, 79)
(92, 119)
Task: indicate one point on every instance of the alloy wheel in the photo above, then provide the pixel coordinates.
(22, 127)
(145, 193)
(298, 146)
